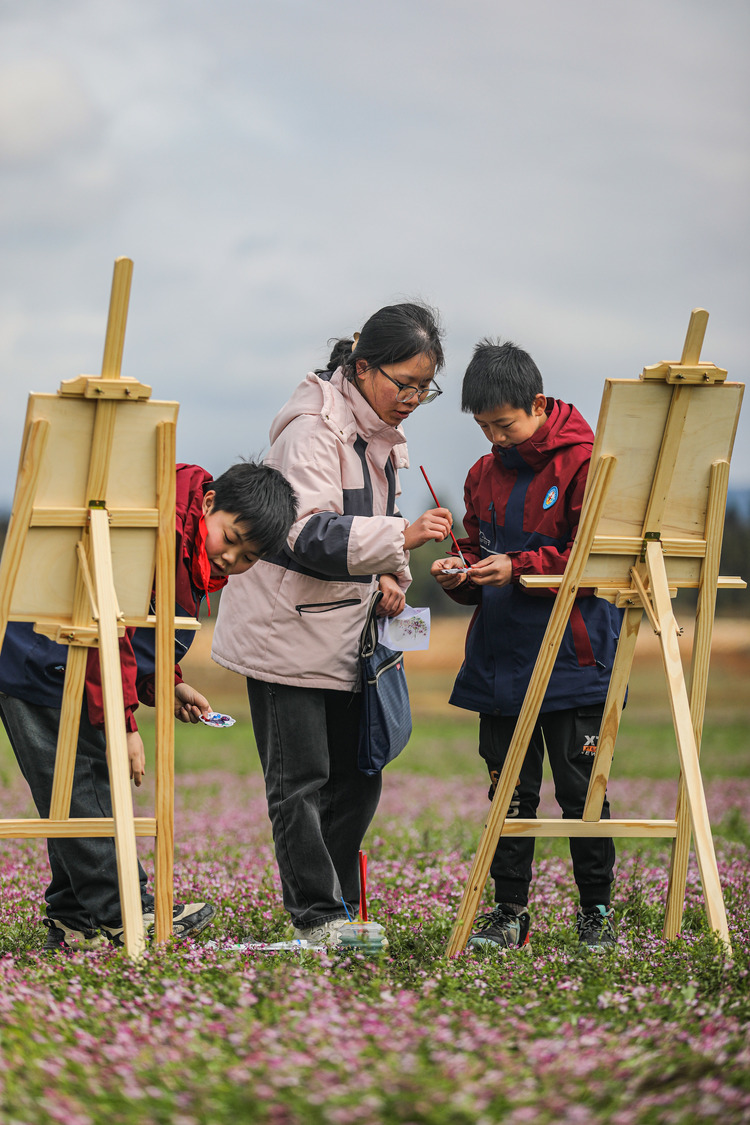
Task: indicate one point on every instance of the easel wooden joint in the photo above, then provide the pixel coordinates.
(93, 521)
(652, 523)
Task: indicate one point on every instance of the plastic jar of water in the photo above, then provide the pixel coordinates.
(363, 937)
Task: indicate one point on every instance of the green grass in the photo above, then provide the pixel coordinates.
(655, 1033)
(445, 745)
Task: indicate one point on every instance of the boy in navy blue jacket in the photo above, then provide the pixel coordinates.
(523, 505)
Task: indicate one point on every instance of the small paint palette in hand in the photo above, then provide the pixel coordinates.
(214, 719)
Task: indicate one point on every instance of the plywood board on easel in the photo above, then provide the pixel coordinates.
(49, 565)
(631, 423)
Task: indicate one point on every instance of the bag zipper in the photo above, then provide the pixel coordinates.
(325, 607)
(397, 659)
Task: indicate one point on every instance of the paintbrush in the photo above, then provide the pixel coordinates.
(437, 502)
(363, 886)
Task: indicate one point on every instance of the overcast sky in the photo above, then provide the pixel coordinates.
(570, 175)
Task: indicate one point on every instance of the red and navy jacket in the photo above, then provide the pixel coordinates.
(32, 667)
(525, 502)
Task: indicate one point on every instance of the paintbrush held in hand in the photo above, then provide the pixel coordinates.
(437, 502)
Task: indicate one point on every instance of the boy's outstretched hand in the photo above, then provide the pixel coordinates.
(435, 523)
(136, 756)
(189, 704)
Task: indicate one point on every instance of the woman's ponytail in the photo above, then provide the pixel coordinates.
(341, 355)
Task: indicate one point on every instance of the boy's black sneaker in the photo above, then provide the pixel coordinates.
(502, 928)
(60, 936)
(188, 919)
(596, 927)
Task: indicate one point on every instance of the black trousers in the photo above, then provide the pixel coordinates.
(319, 803)
(571, 738)
(84, 892)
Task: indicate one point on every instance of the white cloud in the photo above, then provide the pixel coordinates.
(572, 176)
(45, 110)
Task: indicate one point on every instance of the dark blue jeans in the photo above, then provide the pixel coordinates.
(84, 892)
(570, 737)
(320, 805)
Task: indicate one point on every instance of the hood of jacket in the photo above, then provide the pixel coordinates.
(565, 427)
(343, 410)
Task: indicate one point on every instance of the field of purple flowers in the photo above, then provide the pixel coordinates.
(195, 1035)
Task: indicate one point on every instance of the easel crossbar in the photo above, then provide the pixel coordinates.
(554, 826)
(75, 826)
(632, 545)
(79, 517)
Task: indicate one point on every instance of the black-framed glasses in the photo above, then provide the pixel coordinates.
(406, 393)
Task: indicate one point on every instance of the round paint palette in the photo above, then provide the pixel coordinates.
(214, 719)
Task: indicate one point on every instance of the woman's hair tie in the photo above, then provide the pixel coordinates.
(356, 340)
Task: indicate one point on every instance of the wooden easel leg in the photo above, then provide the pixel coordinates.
(704, 622)
(498, 812)
(70, 715)
(34, 441)
(67, 738)
(114, 340)
(686, 743)
(532, 704)
(613, 706)
(114, 722)
(165, 600)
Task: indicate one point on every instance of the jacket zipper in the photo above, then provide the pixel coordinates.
(494, 524)
(325, 607)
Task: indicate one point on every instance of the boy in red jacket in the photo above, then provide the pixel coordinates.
(523, 505)
(223, 527)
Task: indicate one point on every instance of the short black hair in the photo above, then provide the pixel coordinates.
(262, 502)
(500, 374)
(393, 334)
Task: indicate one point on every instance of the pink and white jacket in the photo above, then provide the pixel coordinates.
(296, 619)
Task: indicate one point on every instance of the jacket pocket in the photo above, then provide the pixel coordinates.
(325, 607)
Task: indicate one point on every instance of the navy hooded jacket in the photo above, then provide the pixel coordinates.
(525, 501)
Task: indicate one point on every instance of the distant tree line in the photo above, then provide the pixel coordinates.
(735, 560)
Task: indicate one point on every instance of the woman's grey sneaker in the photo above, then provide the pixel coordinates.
(188, 919)
(502, 927)
(596, 927)
(327, 933)
(60, 936)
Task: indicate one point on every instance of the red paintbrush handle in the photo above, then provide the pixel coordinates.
(437, 502)
(363, 886)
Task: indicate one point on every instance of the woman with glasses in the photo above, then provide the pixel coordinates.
(292, 624)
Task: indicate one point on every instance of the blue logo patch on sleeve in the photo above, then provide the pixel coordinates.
(551, 497)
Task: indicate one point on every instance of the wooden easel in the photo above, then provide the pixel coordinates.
(652, 521)
(93, 513)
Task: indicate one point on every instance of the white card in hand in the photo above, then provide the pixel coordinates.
(407, 632)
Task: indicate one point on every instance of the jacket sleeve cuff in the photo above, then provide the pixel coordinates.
(516, 567)
(147, 687)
